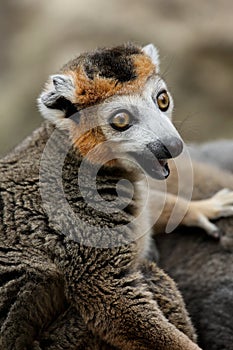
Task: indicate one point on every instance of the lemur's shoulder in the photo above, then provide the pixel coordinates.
(28, 152)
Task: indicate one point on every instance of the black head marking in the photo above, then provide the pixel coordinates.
(113, 63)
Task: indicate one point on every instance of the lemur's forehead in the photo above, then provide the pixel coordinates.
(107, 72)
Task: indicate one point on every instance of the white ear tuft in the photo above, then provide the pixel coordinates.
(55, 102)
(64, 85)
(151, 51)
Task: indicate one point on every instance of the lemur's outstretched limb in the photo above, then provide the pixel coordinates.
(196, 212)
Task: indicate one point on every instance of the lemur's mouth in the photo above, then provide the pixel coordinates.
(156, 168)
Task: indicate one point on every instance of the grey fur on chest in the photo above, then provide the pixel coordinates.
(65, 209)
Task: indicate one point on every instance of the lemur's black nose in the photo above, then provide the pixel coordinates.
(166, 148)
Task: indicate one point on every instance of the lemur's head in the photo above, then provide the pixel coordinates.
(114, 103)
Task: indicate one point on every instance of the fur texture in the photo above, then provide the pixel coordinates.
(106, 72)
(204, 273)
(74, 276)
(70, 284)
(44, 274)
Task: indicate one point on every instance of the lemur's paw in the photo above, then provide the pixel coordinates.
(222, 203)
(202, 211)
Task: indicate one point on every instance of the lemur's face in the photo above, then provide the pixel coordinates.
(140, 126)
(116, 106)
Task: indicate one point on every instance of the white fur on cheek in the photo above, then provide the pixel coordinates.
(50, 114)
(55, 116)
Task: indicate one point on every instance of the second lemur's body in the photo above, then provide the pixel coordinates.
(70, 252)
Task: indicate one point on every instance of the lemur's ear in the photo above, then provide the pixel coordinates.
(55, 102)
(151, 51)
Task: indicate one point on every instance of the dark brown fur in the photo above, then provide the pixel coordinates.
(77, 279)
(202, 266)
(50, 282)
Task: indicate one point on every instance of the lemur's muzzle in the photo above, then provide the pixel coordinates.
(165, 149)
(154, 158)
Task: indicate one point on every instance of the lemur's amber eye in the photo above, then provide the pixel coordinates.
(121, 121)
(163, 100)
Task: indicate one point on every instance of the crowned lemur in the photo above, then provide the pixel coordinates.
(75, 222)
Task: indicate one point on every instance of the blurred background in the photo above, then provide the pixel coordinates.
(195, 39)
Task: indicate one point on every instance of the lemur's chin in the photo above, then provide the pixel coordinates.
(158, 170)
(154, 167)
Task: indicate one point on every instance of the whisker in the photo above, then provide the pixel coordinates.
(188, 126)
(167, 68)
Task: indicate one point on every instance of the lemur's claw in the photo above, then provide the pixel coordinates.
(215, 234)
(210, 228)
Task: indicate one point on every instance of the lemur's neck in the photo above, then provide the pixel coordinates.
(93, 204)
